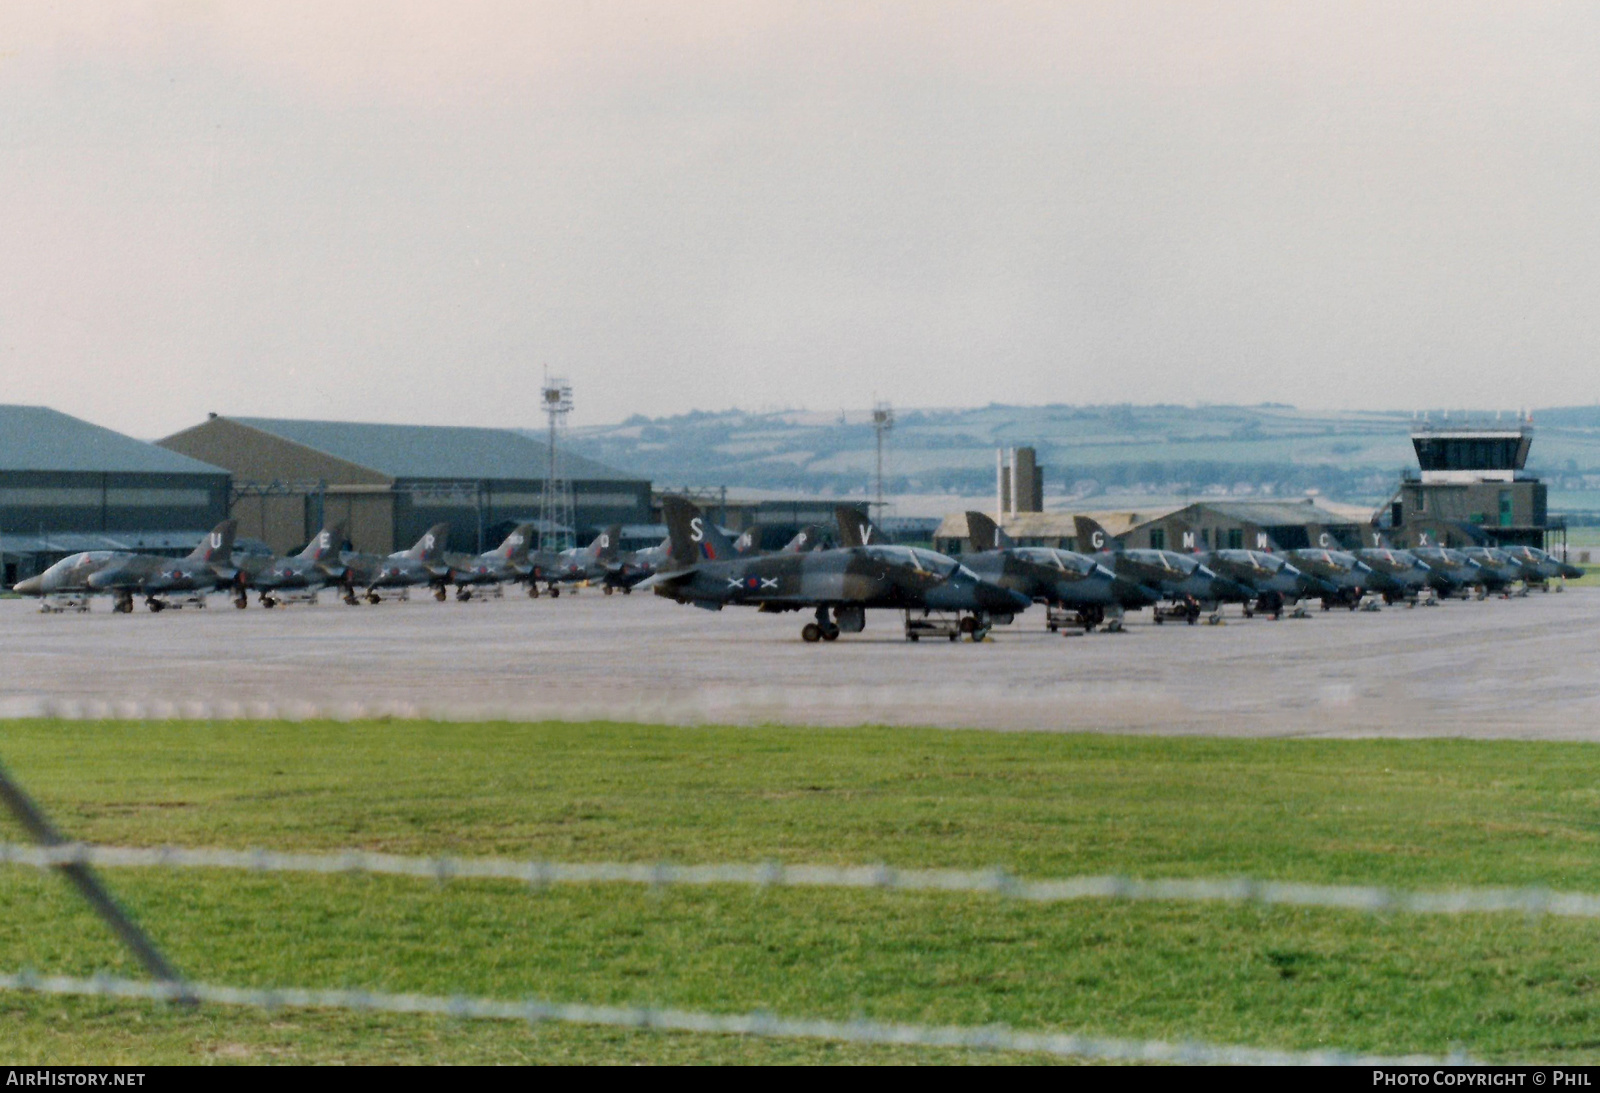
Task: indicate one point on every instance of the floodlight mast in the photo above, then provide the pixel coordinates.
(882, 422)
(556, 531)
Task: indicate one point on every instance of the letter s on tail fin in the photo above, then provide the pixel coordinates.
(984, 534)
(1092, 538)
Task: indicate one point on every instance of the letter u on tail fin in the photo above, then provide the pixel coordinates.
(217, 546)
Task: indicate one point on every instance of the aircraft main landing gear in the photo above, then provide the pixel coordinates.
(821, 630)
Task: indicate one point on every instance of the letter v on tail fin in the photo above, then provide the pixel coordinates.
(984, 534)
(855, 527)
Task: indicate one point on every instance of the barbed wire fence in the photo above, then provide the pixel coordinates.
(77, 861)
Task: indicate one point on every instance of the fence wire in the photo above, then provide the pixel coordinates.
(1532, 901)
(990, 1038)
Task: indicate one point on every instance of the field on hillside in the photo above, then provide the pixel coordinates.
(1417, 814)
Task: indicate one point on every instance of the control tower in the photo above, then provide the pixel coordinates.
(1471, 486)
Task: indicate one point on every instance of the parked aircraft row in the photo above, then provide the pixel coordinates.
(700, 564)
(213, 566)
(998, 579)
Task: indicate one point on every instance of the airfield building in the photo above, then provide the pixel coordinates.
(1471, 486)
(67, 485)
(1204, 525)
(389, 483)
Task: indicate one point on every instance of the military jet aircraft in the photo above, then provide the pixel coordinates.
(1269, 579)
(280, 579)
(578, 564)
(1345, 576)
(65, 585)
(1450, 572)
(159, 579)
(422, 564)
(1499, 571)
(705, 570)
(1061, 579)
(1395, 573)
(69, 583)
(506, 564)
(1178, 577)
(1539, 566)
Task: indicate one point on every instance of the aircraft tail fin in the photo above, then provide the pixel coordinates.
(694, 536)
(516, 545)
(1092, 538)
(984, 534)
(855, 527)
(430, 548)
(1258, 538)
(604, 547)
(326, 544)
(217, 546)
(807, 538)
(1188, 538)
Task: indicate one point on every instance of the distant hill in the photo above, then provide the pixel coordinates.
(1267, 449)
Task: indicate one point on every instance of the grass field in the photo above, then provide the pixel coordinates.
(1426, 814)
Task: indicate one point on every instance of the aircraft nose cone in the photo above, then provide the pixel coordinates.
(33, 586)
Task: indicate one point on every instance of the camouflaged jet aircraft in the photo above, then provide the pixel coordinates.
(69, 583)
(1178, 577)
(162, 581)
(422, 564)
(1345, 576)
(574, 566)
(1396, 574)
(1061, 579)
(1269, 579)
(1499, 571)
(704, 569)
(280, 580)
(506, 564)
(1450, 572)
(1540, 567)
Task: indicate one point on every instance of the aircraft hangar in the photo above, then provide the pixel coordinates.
(389, 483)
(68, 485)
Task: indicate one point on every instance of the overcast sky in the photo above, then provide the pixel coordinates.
(401, 212)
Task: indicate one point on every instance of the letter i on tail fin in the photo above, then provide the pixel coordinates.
(984, 534)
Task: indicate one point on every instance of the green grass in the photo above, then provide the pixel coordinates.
(1411, 813)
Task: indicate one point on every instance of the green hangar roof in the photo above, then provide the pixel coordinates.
(37, 438)
(431, 451)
